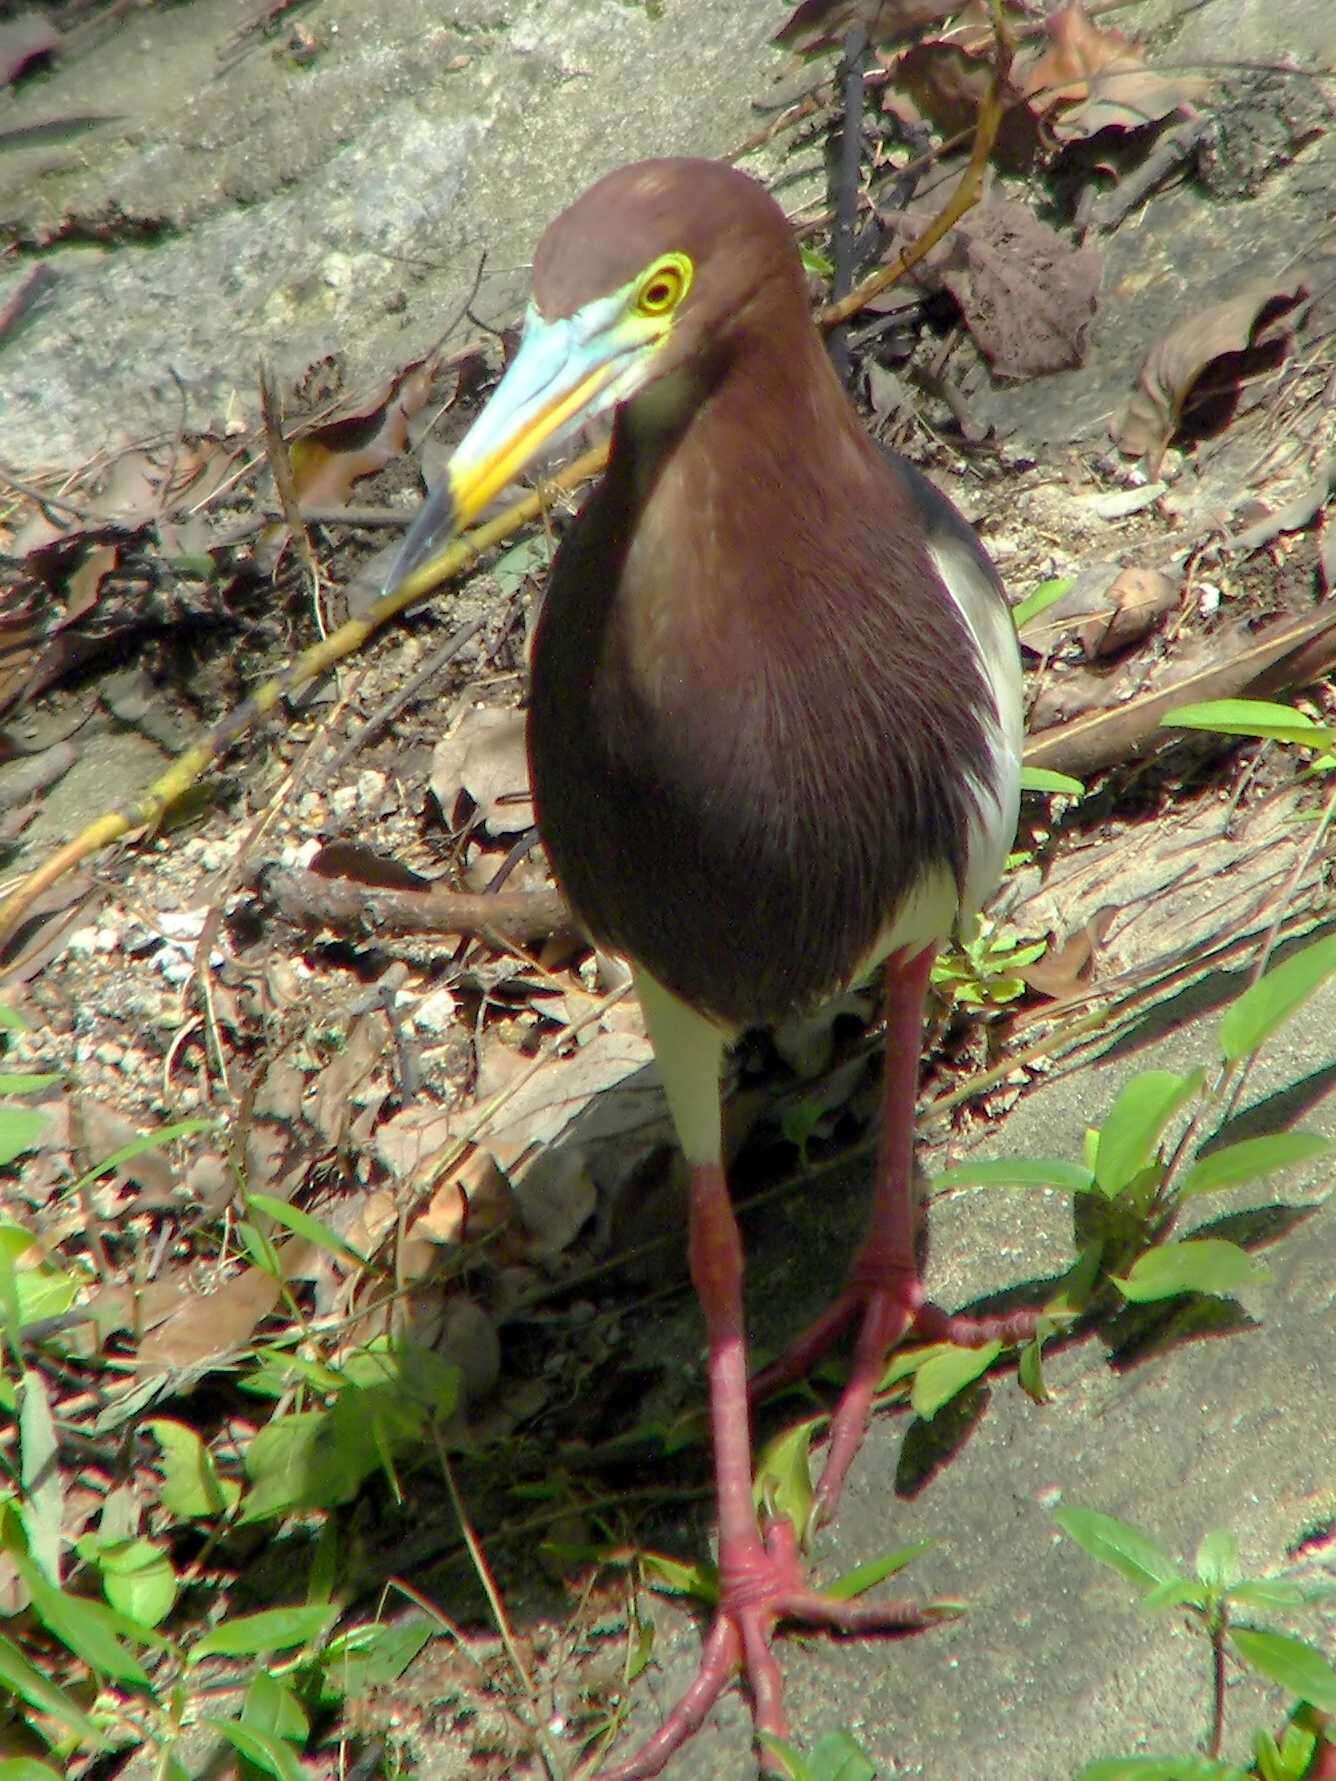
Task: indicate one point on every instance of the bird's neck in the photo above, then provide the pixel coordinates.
(710, 466)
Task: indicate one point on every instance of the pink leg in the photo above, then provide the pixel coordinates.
(883, 1285)
(761, 1581)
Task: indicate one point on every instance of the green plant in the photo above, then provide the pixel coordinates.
(1144, 1165)
(1262, 720)
(984, 971)
(1211, 1597)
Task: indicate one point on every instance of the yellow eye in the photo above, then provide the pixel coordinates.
(663, 286)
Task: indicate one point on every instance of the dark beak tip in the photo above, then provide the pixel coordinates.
(433, 526)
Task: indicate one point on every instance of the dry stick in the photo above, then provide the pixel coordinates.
(493, 1594)
(186, 769)
(460, 555)
(969, 189)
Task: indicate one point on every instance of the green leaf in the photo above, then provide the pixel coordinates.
(29, 1084)
(1278, 1593)
(1205, 1264)
(26, 1768)
(271, 1706)
(306, 1461)
(904, 1363)
(302, 1224)
(146, 1141)
(674, 1578)
(272, 1629)
(943, 1376)
(270, 1754)
(87, 1628)
(191, 1486)
(1044, 779)
(793, 1764)
(21, 1130)
(1217, 1561)
(1122, 1548)
(11, 1018)
(783, 1480)
(1250, 717)
(1030, 1372)
(19, 1676)
(260, 1247)
(876, 1570)
(1178, 1592)
(138, 1579)
(1131, 1134)
(839, 1757)
(1290, 1662)
(1253, 1159)
(43, 1486)
(1039, 599)
(1018, 1171)
(1161, 1768)
(1289, 1760)
(1268, 1004)
(372, 1655)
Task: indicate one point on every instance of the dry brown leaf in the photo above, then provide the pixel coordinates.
(1026, 296)
(1132, 605)
(1090, 79)
(556, 1198)
(485, 756)
(351, 859)
(102, 1131)
(606, 1083)
(361, 439)
(948, 82)
(1066, 970)
(474, 1201)
(412, 1139)
(1194, 374)
(205, 1326)
(819, 25)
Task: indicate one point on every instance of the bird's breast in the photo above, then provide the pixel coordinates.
(751, 756)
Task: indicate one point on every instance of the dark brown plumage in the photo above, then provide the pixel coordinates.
(774, 737)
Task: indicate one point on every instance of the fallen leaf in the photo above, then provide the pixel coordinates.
(1089, 79)
(948, 82)
(1262, 663)
(1025, 295)
(819, 25)
(556, 1198)
(206, 1326)
(1194, 374)
(351, 859)
(412, 1138)
(103, 1131)
(362, 438)
(485, 757)
(474, 1201)
(1067, 969)
(1132, 605)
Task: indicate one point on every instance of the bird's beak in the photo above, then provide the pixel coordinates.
(565, 373)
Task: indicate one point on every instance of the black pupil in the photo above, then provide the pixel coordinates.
(658, 292)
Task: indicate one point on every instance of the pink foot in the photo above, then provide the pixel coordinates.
(891, 1310)
(765, 1586)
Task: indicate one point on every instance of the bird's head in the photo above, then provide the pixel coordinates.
(639, 290)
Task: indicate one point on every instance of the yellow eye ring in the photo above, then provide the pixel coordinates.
(663, 286)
